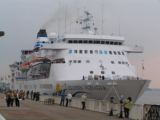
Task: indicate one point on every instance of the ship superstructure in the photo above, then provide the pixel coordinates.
(82, 63)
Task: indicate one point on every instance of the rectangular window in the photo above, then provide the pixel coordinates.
(96, 51)
(87, 61)
(75, 41)
(80, 41)
(105, 52)
(116, 43)
(102, 42)
(90, 41)
(74, 61)
(70, 61)
(96, 42)
(119, 62)
(107, 42)
(112, 62)
(102, 72)
(91, 72)
(115, 52)
(80, 51)
(69, 41)
(70, 51)
(100, 52)
(85, 41)
(119, 53)
(111, 43)
(85, 51)
(91, 51)
(123, 53)
(113, 72)
(110, 52)
(123, 62)
(79, 61)
(126, 63)
(75, 51)
(120, 43)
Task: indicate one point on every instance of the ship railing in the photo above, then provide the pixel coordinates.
(136, 110)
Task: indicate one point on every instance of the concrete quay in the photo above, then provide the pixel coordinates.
(36, 110)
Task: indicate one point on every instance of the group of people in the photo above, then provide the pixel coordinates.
(14, 95)
(34, 95)
(68, 98)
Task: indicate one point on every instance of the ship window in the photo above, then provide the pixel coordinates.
(75, 51)
(74, 61)
(35, 86)
(85, 41)
(90, 41)
(70, 61)
(102, 42)
(111, 43)
(100, 52)
(115, 52)
(102, 72)
(85, 51)
(120, 43)
(91, 51)
(80, 51)
(122, 53)
(79, 61)
(96, 42)
(126, 63)
(123, 62)
(107, 42)
(96, 51)
(70, 51)
(113, 72)
(105, 52)
(119, 62)
(112, 62)
(87, 61)
(70, 41)
(80, 41)
(110, 52)
(75, 41)
(91, 72)
(119, 53)
(116, 43)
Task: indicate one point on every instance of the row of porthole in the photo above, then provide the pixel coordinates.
(96, 52)
(102, 72)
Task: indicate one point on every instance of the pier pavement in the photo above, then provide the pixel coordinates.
(36, 110)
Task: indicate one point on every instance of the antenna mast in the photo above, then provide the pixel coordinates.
(102, 18)
(65, 18)
(119, 27)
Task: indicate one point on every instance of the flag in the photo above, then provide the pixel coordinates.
(93, 23)
(76, 21)
(5, 77)
(143, 67)
(9, 76)
(1, 78)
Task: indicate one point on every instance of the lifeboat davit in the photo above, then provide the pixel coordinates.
(24, 66)
(39, 60)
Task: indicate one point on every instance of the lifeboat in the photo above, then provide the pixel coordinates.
(24, 66)
(39, 60)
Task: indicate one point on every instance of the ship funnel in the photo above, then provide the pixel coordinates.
(42, 33)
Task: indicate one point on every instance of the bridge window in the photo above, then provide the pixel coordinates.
(96, 51)
(75, 41)
(96, 42)
(112, 62)
(107, 42)
(85, 51)
(110, 52)
(91, 72)
(111, 43)
(70, 51)
(90, 41)
(91, 51)
(74, 61)
(115, 52)
(85, 41)
(80, 51)
(119, 62)
(100, 52)
(119, 53)
(70, 61)
(120, 43)
(87, 61)
(70, 41)
(105, 52)
(79, 61)
(126, 63)
(113, 72)
(116, 43)
(102, 42)
(80, 41)
(102, 72)
(123, 53)
(123, 62)
(75, 51)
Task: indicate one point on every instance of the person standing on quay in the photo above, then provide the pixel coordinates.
(31, 94)
(17, 96)
(8, 98)
(67, 100)
(127, 105)
(83, 100)
(62, 98)
(12, 98)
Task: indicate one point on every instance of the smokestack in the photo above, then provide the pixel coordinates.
(42, 33)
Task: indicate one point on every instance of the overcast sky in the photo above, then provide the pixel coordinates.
(139, 24)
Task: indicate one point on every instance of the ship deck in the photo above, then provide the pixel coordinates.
(36, 110)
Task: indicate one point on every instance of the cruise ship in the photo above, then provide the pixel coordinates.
(90, 63)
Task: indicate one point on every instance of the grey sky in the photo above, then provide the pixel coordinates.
(139, 21)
